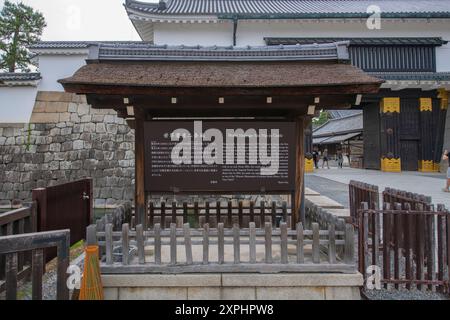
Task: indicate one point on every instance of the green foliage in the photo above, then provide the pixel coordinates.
(321, 119)
(20, 26)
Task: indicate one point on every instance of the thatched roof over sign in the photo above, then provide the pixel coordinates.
(219, 74)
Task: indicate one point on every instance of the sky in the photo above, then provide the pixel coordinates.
(84, 19)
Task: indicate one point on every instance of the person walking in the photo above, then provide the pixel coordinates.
(316, 158)
(340, 159)
(445, 157)
(325, 159)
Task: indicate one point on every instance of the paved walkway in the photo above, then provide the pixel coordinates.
(429, 184)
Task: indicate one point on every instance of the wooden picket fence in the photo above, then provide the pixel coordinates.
(15, 222)
(412, 247)
(362, 192)
(186, 250)
(230, 213)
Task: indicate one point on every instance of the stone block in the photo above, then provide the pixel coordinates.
(78, 144)
(342, 293)
(86, 118)
(111, 294)
(204, 293)
(100, 128)
(153, 293)
(152, 280)
(54, 96)
(64, 117)
(83, 109)
(73, 107)
(290, 293)
(292, 280)
(229, 293)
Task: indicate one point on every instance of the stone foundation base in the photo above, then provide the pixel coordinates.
(302, 286)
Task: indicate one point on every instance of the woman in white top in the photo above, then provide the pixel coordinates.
(445, 158)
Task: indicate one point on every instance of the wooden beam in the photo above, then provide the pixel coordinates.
(220, 91)
(140, 169)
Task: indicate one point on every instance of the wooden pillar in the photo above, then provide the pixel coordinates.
(140, 215)
(298, 214)
(440, 130)
(390, 135)
(426, 163)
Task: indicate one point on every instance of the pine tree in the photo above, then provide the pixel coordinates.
(20, 26)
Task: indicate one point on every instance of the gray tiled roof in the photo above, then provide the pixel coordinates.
(297, 8)
(349, 124)
(10, 76)
(75, 44)
(434, 41)
(144, 51)
(425, 76)
(336, 114)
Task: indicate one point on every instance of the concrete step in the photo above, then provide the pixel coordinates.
(324, 202)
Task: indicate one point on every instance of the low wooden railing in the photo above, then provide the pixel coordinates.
(221, 250)
(12, 246)
(230, 213)
(19, 221)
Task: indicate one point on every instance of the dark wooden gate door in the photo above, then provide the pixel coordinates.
(409, 134)
(409, 153)
(371, 134)
(65, 206)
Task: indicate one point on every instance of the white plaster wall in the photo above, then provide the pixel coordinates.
(253, 33)
(16, 104)
(55, 67)
(203, 34)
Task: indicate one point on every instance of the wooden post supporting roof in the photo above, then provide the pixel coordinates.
(140, 210)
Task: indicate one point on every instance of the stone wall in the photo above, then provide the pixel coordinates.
(66, 140)
(233, 286)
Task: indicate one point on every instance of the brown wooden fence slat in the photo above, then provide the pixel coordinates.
(274, 213)
(188, 243)
(205, 243)
(140, 242)
(230, 214)
(236, 244)
(174, 212)
(316, 243)
(386, 244)
(221, 243)
(125, 244)
(157, 243)
(300, 241)
(36, 273)
(241, 214)
(262, 214)
(207, 212)
(349, 244)
(252, 241)
(109, 245)
(407, 245)
(218, 212)
(11, 276)
(331, 244)
(163, 215)
(397, 245)
(196, 213)
(185, 213)
(284, 243)
(173, 243)
(420, 245)
(430, 263)
(268, 242)
(441, 233)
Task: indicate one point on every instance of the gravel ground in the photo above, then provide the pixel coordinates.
(403, 294)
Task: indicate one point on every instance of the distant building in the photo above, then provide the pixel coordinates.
(344, 131)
